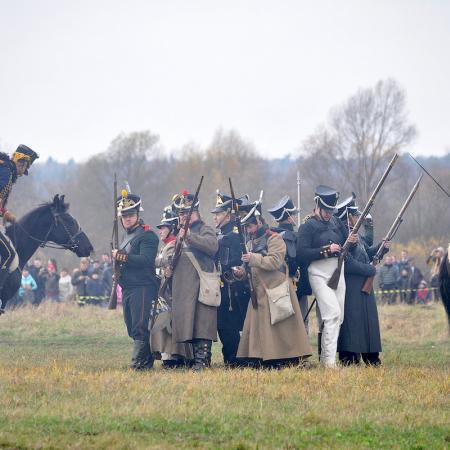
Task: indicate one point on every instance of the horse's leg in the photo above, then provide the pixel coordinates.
(10, 288)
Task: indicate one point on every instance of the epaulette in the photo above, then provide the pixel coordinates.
(309, 216)
(146, 227)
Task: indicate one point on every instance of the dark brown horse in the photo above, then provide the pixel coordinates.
(49, 225)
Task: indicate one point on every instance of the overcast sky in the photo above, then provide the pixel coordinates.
(76, 73)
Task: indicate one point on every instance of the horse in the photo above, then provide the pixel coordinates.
(48, 225)
(444, 282)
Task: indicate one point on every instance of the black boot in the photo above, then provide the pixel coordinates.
(202, 351)
(141, 358)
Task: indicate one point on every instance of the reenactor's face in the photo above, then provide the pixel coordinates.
(22, 166)
(130, 220)
(219, 218)
(251, 228)
(326, 214)
(163, 233)
(353, 220)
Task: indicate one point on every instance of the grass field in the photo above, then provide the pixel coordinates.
(64, 384)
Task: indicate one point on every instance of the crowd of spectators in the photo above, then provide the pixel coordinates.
(400, 280)
(90, 283)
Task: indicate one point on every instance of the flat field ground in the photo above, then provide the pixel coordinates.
(64, 383)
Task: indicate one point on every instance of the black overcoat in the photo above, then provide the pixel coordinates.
(360, 331)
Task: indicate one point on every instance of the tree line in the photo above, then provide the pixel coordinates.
(349, 152)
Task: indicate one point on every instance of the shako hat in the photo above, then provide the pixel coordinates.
(326, 197)
(128, 204)
(348, 206)
(224, 202)
(249, 211)
(25, 153)
(183, 202)
(283, 209)
(169, 218)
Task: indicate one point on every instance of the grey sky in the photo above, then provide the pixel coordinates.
(76, 73)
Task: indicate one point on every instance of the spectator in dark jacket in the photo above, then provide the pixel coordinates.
(388, 280)
(403, 263)
(415, 278)
(403, 285)
(36, 271)
(95, 293)
(51, 281)
(80, 278)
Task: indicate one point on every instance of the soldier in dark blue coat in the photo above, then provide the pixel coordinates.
(319, 243)
(359, 336)
(136, 257)
(10, 170)
(234, 293)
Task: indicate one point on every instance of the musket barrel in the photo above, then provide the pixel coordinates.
(334, 280)
(368, 285)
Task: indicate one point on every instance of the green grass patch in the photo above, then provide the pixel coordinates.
(64, 384)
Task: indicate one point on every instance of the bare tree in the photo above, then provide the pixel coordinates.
(363, 134)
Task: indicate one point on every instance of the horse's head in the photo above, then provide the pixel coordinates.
(65, 230)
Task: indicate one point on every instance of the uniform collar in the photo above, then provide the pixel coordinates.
(136, 227)
(285, 226)
(227, 227)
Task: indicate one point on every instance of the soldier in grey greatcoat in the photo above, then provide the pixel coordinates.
(192, 321)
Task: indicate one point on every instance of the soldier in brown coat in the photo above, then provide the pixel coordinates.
(193, 321)
(173, 354)
(286, 341)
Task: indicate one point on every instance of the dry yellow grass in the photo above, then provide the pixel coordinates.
(63, 384)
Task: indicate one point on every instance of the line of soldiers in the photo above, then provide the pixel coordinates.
(279, 270)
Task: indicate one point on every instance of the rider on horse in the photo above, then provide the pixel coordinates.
(10, 169)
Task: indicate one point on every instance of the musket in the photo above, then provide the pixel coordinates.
(298, 199)
(334, 280)
(114, 245)
(237, 219)
(368, 285)
(176, 254)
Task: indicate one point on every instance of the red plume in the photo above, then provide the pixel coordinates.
(185, 193)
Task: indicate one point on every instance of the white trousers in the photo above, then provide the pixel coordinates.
(331, 305)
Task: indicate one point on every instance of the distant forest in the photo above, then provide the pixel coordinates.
(349, 152)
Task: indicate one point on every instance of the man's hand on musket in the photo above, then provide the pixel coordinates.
(335, 248)
(387, 244)
(114, 253)
(353, 239)
(238, 272)
(247, 257)
(168, 272)
(181, 233)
